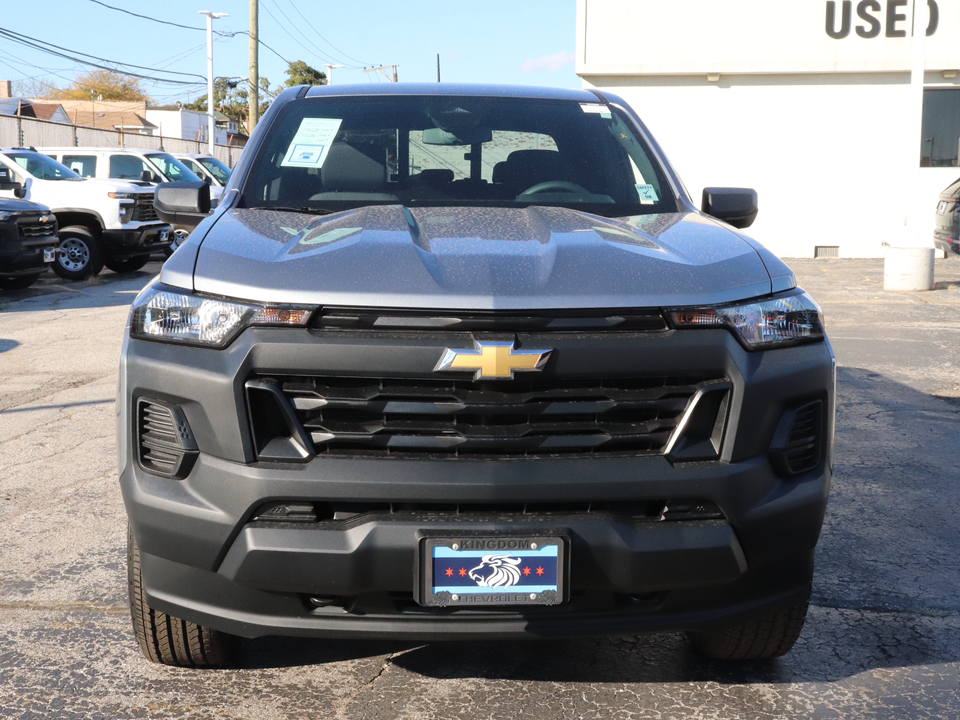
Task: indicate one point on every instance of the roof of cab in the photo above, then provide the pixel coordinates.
(460, 89)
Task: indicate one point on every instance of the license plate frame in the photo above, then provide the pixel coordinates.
(453, 568)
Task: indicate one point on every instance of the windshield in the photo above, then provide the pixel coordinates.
(41, 166)
(334, 153)
(171, 168)
(216, 168)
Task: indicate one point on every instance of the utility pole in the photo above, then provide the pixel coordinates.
(253, 115)
(330, 68)
(381, 68)
(211, 118)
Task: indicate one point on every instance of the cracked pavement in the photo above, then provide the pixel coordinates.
(882, 639)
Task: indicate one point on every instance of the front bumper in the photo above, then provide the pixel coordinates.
(125, 243)
(25, 256)
(206, 559)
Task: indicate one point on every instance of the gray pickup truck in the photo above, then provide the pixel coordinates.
(467, 362)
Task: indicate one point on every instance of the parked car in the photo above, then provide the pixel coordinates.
(101, 222)
(465, 362)
(206, 167)
(946, 231)
(140, 166)
(28, 240)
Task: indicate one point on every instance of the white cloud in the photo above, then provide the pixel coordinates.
(549, 63)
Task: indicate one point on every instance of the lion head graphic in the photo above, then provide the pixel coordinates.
(496, 571)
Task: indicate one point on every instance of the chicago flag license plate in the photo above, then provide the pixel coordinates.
(484, 571)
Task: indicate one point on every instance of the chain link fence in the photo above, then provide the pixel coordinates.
(28, 132)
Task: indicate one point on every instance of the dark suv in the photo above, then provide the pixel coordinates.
(464, 362)
(28, 242)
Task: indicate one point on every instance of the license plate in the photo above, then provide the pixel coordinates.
(485, 571)
(49, 254)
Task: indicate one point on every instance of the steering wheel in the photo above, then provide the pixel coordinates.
(555, 186)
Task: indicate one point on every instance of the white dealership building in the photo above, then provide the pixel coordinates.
(808, 101)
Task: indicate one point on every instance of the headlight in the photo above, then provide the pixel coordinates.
(171, 315)
(787, 319)
(4, 216)
(121, 196)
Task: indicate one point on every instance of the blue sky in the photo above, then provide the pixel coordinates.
(529, 42)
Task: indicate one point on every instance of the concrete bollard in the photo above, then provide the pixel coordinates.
(908, 269)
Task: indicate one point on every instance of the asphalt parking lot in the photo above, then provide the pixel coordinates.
(882, 639)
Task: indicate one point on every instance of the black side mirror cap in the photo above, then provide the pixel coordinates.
(182, 203)
(736, 206)
(146, 176)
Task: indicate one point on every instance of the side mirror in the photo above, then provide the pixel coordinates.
(8, 181)
(146, 176)
(736, 206)
(182, 203)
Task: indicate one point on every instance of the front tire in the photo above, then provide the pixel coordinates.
(127, 266)
(169, 640)
(81, 254)
(770, 636)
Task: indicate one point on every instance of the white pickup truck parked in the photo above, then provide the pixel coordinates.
(135, 165)
(102, 222)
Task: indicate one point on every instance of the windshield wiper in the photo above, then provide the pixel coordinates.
(305, 210)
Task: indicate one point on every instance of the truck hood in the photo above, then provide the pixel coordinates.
(473, 258)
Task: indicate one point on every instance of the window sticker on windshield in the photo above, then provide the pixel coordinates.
(311, 143)
(648, 195)
(598, 108)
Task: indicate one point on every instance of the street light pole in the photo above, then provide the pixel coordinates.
(211, 119)
(330, 67)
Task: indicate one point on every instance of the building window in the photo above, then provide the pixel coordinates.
(940, 139)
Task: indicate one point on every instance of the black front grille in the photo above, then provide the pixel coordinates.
(34, 229)
(546, 416)
(144, 211)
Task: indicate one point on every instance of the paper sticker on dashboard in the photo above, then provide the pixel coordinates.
(311, 143)
(648, 194)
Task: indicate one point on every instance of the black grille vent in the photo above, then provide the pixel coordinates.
(798, 444)
(547, 416)
(639, 511)
(144, 211)
(337, 318)
(165, 444)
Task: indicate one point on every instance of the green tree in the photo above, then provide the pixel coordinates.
(299, 73)
(232, 98)
(103, 84)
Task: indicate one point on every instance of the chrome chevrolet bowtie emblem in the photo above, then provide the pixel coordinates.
(493, 360)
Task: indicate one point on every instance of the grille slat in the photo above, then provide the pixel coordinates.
(546, 416)
(144, 211)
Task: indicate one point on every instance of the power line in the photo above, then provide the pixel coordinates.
(261, 42)
(267, 9)
(46, 48)
(147, 17)
(360, 63)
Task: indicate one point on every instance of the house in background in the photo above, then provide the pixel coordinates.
(179, 122)
(22, 107)
(127, 116)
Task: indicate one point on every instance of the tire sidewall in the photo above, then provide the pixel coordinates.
(83, 251)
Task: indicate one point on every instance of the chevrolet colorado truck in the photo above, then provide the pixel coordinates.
(468, 362)
(28, 241)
